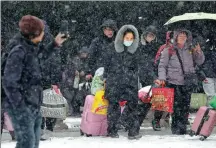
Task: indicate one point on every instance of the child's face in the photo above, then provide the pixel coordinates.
(84, 55)
(150, 37)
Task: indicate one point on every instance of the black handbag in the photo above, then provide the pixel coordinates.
(190, 79)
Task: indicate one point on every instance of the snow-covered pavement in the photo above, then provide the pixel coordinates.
(150, 141)
(71, 139)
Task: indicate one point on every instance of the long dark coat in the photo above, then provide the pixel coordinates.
(121, 68)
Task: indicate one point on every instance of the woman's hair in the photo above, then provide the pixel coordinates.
(31, 26)
(129, 31)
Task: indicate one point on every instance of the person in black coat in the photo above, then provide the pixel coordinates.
(148, 49)
(22, 81)
(50, 63)
(98, 46)
(121, 73)
(209, 67)
(75, 72)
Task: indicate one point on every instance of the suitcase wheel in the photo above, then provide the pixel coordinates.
(202, 138)
(191, 133)
(88, 135)
(81, 132)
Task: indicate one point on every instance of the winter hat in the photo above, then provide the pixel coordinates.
(109, 23)
(84, 50)
(31, 26)
(151, 29)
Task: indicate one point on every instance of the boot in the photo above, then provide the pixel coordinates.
(112, 131)
(134, 137)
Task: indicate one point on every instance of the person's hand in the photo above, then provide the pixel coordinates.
(77, 73)
(159, 82)
(59, 39)
(205, 81)
(82, 73)
(197, 48)
(88, 77)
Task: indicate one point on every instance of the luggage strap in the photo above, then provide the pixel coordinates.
(205, 118)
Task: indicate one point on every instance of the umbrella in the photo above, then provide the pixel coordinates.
(192, 16)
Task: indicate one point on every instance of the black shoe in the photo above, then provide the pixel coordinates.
(136, 137)
(188, 122)
(76, 115)
(113, 135)
(12, 135)
(178, 132)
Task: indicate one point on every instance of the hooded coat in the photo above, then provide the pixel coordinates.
(121, 68)
(169, 68)
(98, 46)
(81, 64)
(147, 52)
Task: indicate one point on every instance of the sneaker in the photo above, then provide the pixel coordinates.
(156, 125)
(136, 137)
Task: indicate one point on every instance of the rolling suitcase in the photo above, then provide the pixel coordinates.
(204, 123)
(92, 124)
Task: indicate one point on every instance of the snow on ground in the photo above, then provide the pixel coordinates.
(146, 141)
(163, 139)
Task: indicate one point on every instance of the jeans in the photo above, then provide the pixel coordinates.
(27, 126)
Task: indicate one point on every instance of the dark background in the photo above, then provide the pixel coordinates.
(90, 15)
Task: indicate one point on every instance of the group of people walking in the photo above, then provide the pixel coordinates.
(128, 60)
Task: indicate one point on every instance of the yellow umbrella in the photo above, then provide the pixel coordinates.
(192, 16)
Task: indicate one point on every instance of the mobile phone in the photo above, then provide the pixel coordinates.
(64, 28)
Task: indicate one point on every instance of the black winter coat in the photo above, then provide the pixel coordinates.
(209, 65)
(50, 62)
(121, 69)
(147, 53)
(22, 74)
(98, 47)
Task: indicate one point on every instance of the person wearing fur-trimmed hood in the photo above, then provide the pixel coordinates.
(121, 73)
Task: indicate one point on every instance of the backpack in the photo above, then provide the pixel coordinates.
(161, 48)
(5, 56)
(3, 64)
